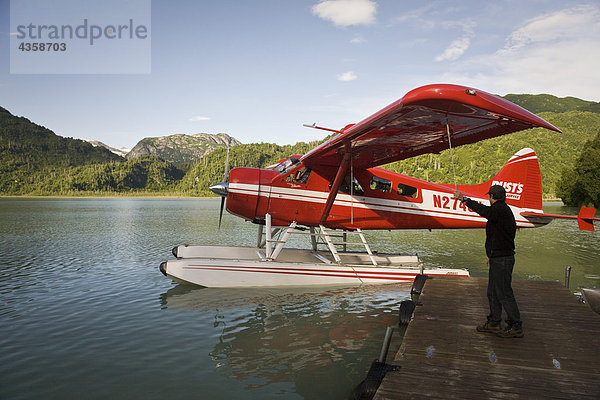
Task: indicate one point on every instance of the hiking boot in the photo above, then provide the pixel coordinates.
(489, 328)
(511, 332)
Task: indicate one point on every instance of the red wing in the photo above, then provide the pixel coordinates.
(416, 124)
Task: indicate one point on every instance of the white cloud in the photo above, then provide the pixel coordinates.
(358, 39)
(456, 49)
(554, 53)
(199, 118)
(418, 17)
(346, 12)
(459, 46)
(563, 25)
(347, 76)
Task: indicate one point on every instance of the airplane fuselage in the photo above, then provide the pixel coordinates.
(377, 199)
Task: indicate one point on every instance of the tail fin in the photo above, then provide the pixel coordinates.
(522, 179)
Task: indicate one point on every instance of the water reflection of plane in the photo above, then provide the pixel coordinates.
(299, 336)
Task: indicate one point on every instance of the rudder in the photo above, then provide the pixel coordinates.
(522, 179)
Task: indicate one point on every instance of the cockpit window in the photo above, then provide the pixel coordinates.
(286, 165)
(301, 176)
(381, 184)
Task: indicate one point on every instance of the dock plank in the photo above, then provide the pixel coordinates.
(442, 356)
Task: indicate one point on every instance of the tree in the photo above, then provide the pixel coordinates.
(580, 185)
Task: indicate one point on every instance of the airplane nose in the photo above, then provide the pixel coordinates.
(220, 188)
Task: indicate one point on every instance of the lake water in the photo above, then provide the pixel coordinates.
(85, 313)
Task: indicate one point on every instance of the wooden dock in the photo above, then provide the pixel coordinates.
(442, 356)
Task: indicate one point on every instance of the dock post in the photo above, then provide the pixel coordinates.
(386, 344)
(567, 276)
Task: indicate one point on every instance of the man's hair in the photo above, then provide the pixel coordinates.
(497, 192)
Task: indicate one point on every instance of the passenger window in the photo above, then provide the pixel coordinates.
(345, 187)
(356, 189)
(381, 184)
(406, 190)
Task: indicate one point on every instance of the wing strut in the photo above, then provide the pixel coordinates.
(339, 178)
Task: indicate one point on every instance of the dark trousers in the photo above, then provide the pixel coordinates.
(500, 294)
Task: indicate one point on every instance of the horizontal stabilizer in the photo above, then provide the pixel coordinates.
(585, 218)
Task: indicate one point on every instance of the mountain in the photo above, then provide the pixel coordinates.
(34, 160)
(24, 142)
(181, 148)
(537, 103)
(121, 151)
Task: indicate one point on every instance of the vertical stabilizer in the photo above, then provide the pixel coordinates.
(522, 179)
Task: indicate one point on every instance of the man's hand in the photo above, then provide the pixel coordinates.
(458, 195)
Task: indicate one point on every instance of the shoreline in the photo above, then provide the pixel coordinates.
(105, 196)
(141, 195)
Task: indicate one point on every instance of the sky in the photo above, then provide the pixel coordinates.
(258, 70)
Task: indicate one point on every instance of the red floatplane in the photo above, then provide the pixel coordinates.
(337, 186)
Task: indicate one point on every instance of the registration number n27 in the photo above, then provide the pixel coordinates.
(447, 203)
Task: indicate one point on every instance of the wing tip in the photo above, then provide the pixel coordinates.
(473, 96)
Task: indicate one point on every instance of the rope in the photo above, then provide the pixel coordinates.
(351, 191)
(451, 155)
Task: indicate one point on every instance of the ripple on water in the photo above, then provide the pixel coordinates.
(85, 313)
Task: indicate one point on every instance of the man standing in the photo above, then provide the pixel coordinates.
(500, 232)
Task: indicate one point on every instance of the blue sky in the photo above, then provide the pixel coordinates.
(258, 70)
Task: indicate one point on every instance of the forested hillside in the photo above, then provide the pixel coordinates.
(33, 160)
(23, 142)
(579, 185)
(537, 103)
(29, 152)
(210, 169)
(144, 174)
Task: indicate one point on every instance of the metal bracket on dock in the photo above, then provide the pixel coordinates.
(407, 308)
(368, 387)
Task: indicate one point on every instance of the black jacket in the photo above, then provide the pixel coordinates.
(500, 229)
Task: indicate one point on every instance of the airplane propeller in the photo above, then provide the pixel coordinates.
(222, 188)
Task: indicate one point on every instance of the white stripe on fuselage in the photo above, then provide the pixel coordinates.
(450, 207)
